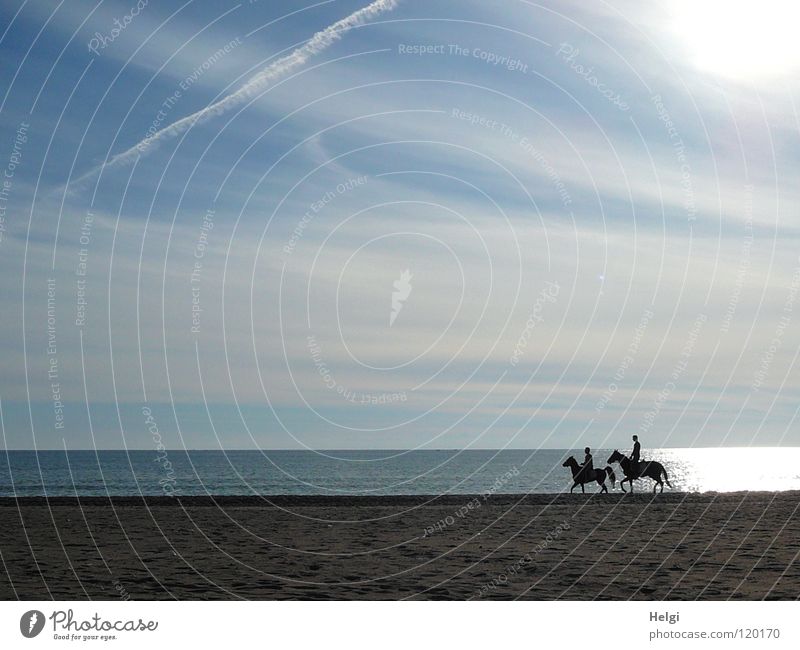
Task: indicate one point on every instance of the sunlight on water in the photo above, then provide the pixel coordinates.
(731, 469)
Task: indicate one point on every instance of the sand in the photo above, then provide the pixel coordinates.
(673, 546)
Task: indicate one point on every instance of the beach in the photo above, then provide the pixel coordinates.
(492, 546)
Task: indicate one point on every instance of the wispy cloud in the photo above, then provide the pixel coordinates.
(316, 44)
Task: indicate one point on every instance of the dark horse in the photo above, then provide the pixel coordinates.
(579, 476)
(649, 468)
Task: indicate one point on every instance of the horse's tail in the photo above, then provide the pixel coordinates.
(666, 478)
(612, 476)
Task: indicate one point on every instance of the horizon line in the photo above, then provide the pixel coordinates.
(329, 449)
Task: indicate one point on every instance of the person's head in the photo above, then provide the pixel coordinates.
(587, 450)
(635, 438)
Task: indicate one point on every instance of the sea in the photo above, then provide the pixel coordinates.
(402, 472)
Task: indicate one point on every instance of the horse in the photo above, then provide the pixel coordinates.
(579, 476)
(650, 468)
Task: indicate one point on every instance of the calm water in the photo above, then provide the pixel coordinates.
(55, 473)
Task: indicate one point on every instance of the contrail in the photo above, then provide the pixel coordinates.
(316, 44)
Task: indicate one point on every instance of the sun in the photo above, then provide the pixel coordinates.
(746, 39)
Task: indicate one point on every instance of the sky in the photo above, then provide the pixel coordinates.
(399, 225)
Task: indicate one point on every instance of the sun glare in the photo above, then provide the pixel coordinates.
(747, 39)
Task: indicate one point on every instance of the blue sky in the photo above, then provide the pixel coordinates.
(597, 206)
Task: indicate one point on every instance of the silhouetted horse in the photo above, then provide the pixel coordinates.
(648, 468)
(580, 478)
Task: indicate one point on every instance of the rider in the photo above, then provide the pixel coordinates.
(588, 463)
(637, 450)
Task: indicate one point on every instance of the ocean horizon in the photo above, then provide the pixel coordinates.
(176, 472)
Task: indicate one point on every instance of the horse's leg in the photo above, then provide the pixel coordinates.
(583, 489)
(573, 487)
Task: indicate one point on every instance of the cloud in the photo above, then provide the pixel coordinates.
(316, 44)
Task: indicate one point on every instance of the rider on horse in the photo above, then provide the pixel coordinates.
(588, 463)
(637, 450)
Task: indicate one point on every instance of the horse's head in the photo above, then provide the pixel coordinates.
(615, 457)
(569, 462)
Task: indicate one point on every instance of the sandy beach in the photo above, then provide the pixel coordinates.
(673, 546)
